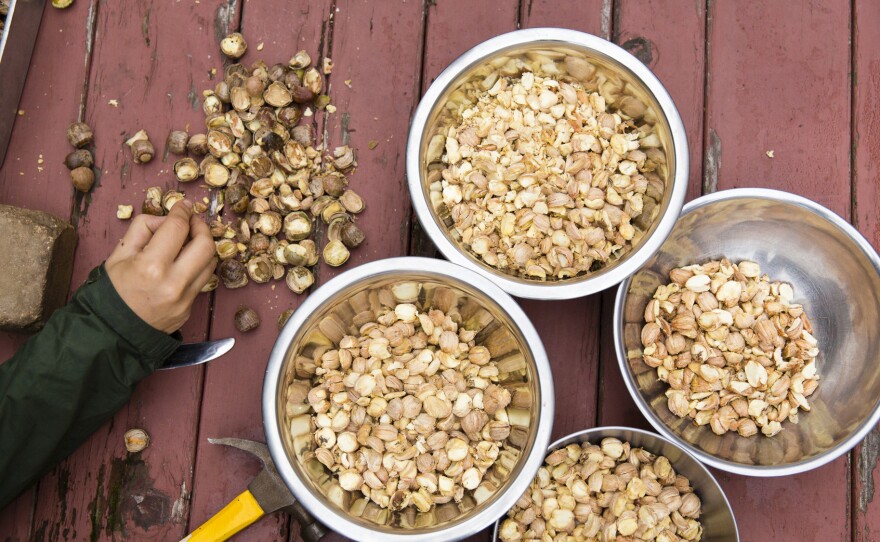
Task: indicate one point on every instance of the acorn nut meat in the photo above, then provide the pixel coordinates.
(123, 212)
(136, 440)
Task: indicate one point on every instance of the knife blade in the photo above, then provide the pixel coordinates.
(196, 353)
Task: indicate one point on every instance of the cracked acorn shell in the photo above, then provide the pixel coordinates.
(186, 170)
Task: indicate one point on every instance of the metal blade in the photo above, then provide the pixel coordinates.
(195, 353)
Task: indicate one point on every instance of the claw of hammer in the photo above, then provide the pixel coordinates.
(269, 485)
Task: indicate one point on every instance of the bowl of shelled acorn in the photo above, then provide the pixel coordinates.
(548, 160)
(613, 483)
(750, 337)
(408, 399)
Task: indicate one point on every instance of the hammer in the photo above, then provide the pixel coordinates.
(267, 493)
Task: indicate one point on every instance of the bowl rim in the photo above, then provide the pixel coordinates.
(559, 36)
(580, 436)
(334, 518)
(730, 466)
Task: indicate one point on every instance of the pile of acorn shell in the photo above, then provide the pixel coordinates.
(267, 168)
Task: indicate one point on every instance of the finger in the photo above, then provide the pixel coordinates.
(139, 233)
(196, 285)
(197, 253)
(171, 234)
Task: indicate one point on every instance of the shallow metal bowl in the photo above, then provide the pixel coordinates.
(329, 313)
(719, 524)
(836, 276)
(536, 48)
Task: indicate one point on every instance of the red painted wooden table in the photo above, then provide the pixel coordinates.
(799, 78)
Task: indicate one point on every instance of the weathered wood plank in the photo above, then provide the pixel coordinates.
(144, 59)
(570, 329)
(759, 68)
(866, 194)
(666, 35)
(591, 16)
(231, 403)
(381, 60)
(33, 174)
(448, 35)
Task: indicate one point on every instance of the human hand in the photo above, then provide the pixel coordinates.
(161, 264)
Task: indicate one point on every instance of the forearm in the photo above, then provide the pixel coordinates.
(66, 381)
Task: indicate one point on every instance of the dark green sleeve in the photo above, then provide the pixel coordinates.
(70, 378)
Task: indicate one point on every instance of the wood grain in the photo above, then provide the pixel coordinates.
(231, 403)
(570, 330)
(33, 174)
(669, 37)
(762, 58)
(866, 216)
(381, 59)
(142, 59)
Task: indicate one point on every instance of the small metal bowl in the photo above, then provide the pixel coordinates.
(719, 524)
(836, 276)
(537, 47)
(328, 313)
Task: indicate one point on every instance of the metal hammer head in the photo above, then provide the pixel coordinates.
(271, 492)
(259, 449)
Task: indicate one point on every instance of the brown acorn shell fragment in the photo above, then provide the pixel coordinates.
(336, 253)
(186, 170)
(352, 202)
(198, 144)
(177, 142)
(153, 202)
(299, 279)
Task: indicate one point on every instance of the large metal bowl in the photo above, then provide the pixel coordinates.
(504, 329)
(535, 48)
(719, 524)
(836, 276)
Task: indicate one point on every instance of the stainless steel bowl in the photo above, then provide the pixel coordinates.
(328, 313)
(536, 47)
(717, 519)
(835, 274)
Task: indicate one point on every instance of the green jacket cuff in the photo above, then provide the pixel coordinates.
(101, 297)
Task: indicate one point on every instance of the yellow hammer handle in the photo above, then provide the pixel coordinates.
(235, 516)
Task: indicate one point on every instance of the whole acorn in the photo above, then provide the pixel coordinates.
(246, 319)
(83, 178)
(79, 158)
(80, 135)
